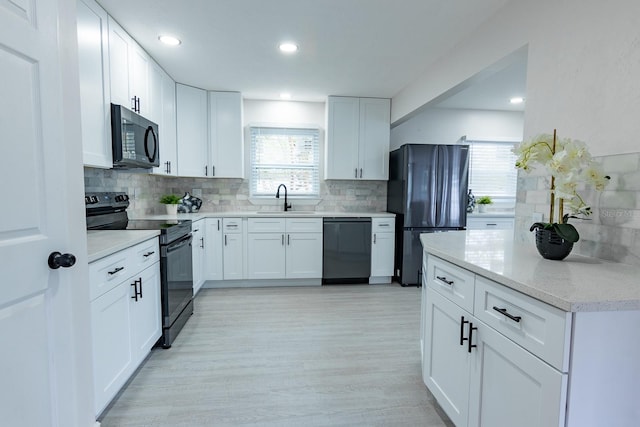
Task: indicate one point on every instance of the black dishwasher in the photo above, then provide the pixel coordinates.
(346, 257)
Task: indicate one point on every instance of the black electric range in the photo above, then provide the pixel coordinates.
(108, 211)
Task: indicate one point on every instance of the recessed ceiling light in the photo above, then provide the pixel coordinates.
(288, 47)
(169, 40)
(285, 96)
(517, 100)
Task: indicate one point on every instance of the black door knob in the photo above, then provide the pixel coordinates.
(57, 260)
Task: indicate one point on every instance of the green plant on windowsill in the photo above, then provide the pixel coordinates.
(484, 200)
(170, 199)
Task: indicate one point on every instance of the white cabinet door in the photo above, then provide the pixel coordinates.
(166, 107)
(146, 313)
(232, 256)
(155, 76)
(375, 128)
(197, 253)
(266, 255)
(382, 254)
(447, 363)
(119, 65)
(510, 386)
(213, 249)
(93, 58)
(111, 339)
(191, 111)
(304, 255)
(343, 122)
(226, 146)
(139, 79)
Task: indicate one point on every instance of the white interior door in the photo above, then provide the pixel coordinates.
(45, 366)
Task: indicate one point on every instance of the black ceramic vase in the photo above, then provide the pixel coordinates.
(552, 246)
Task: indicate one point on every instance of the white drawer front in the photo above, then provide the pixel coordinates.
(451, 281)
(146, 253)
(197, 225)
(490, 223)
(383, 225)
(106, 273)
(534, 325)
(232, 225)
(266, 225)
(304, 225)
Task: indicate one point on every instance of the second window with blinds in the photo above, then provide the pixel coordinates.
(284, 155)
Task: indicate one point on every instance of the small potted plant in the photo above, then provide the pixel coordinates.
(482, 203)
(171, 202)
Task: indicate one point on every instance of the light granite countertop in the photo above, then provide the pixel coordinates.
(262, 214)
(575, 284)
(102, 243)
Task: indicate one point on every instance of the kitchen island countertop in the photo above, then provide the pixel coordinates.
(575, 284)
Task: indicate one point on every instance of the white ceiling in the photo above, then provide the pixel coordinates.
(347, 47)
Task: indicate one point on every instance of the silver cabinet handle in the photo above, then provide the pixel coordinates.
(225, 240)
(356, 171)
(360, 172)
(374, 238)
(282, 240)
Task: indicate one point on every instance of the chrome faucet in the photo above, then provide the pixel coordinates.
(287, 206)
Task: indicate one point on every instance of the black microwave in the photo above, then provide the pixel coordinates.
(134, 139)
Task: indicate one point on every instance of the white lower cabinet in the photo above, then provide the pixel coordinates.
(382, 249)
(284, 248)
(489, 223)
(125, 316)
(233, 249)
(213, 249)
(198, 254)
(479, 376)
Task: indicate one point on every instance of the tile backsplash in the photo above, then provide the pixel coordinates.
(613, 230)
(220, 194)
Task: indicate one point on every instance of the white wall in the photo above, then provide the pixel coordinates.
(283, 112)
(583, 74)
(446, 126)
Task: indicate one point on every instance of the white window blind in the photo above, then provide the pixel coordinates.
(492, 170)
(286, 156)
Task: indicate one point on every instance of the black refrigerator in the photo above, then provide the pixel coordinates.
(427, 190)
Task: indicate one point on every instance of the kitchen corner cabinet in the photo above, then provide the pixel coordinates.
(382, 249)
(191, 112)
(213, 249)
(226, 149)
(198, 254)
(233, 249)
(358, 133)
(125, 316)
(93, 61)
(129, 71)
(284, 248)
(491, 368)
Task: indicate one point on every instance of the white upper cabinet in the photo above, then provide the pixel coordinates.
(162, 96)
(358, 132)
(93, 58)
(129, 71)
(191, 111)
(226, 148)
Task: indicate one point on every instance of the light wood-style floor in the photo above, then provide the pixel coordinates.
(290, 356)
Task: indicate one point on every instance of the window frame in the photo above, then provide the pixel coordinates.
(479, 191)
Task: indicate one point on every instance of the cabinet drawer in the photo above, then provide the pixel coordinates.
(197, 225)
(304, 225)
(451, 281)
(106, 273)
(534, 325)
(145, 254)
(383, 225)
(266, 225)
(490, 223)
(232, 225)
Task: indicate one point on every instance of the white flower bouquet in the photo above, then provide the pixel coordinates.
(570, 165)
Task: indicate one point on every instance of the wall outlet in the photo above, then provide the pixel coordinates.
(197, 192)
(536, 217)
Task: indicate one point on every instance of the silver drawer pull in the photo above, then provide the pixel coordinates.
(383, 225)
(444, 279)
(117, 269)
(504, 312)
(148, 254)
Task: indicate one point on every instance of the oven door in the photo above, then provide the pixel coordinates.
(177, 278)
